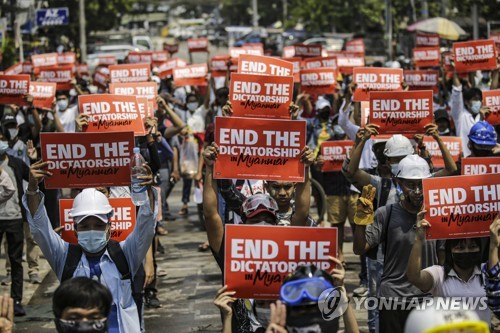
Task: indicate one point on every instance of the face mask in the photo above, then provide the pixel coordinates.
(81, 326)
(307, 329)
(73, 93)
(4, 145)
(92, 241)
(13, 133)
(466, 260)
(192, 106)
(482, 152)
(416, 198)
(446, 131)
(62, 104)
(324, 114)
(394, 168)
(475, 107)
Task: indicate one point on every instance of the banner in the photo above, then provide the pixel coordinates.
(61, 75)
(319, 62)
(44, 94)
(165, 69)
(263, 149)
(67, 58)
(197, 45)
(141, 57)
(375, 79)
(318, 80)
(461, 206)
(427, 57)
(146, 108)
(122, 222)
(13, 88)
(261, 96)
(258, 258)
(405, 112)
(480, 165)
(130, 73)
(475, 55)
(80, 160)
(422, 80)
(307, 51)
(260, 65)
(44, 60)
(144, 89)
(106, 60)
(427, 40)
(297, 64)
(52, 16)
(111, 113)
(192, 75)
(491, 98)
(355, 46)
(334, 153)
(347, 61)
(454, 145)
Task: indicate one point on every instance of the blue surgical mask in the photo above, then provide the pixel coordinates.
(4, 145)
(92, 241)
(394, 168)
(475, 107)
(62, 104)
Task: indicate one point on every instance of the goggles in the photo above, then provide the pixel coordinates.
(303, 291)
(254, 202)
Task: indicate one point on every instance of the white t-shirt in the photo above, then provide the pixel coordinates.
(463, 119)
(68, 118)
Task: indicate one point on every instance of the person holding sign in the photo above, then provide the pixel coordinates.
(492, 269)
(482, 140)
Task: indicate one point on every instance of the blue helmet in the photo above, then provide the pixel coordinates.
(482, 133)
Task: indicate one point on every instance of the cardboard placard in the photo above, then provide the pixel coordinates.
(404, 112)
(427, 40)
(462, 206)
(422, 79)
(171, 48)
(67, 58)
(365, 113)
(27, 67)
(44, 94)
(106, 60)
(111, 113)
(44, 60)
(144, 89)
(193, 75)
(475, 55)
(264, 149)
(260, 65)
(219, 65)
(425, 57)
(307, 51)
(101, 77)
(141, 57)
(130, 73)
(375, 79)
(258, 258)
(256, 49)
(495, 36)
(491, 98)
(355, 46)
(122, 222)
(346, 61)
(480, 165)
(197, 44)
(334, 153)
(62, 75)
(288, 52)
(80, 160)
(159, 57)
(318, 80)
(146, 109)
(165, 69)
(15, 69)
(261, 96)
(13, 88)
(297, 64)
(235, 52)
(454, 145)
(82, 69)
(319, 62)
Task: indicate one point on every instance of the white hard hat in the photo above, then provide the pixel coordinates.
(413, 167)
(398, 145)
(91, 202)
(322, 102)
(438, 320)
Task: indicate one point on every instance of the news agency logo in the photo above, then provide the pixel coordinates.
(333, 303)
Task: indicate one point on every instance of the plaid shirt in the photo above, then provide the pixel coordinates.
(492, 287)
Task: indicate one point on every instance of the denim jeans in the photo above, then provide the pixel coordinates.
(375, 268)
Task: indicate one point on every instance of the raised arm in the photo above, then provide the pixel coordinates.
(176, 120)
(364, 217)
(418, 277)
(303, 191)
(450, 167)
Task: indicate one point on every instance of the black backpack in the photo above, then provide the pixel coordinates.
(384, 195)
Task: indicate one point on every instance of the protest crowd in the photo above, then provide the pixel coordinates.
(280, 153)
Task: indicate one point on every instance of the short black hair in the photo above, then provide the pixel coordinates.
(222, 92)
(81, 292)
(62, 93)
(471, 93)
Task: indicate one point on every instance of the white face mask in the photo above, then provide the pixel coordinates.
(13, 133)
(62, 104)
(475, 107)
(73, 93)
(192, 106)
(446, 131)
(394, 168)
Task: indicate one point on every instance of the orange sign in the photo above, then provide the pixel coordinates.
(427, 40)
(355, 46)
(319, 62)
(334, 153)
(254, 49)
(288, 52)
(15, 69)
(67, 58)
(404, 112)
(318, 80)
(80, 160)
(422, 80)
(82, 69)
(427, 57)
(264, 149)
(491, 98)
(475, 55)
(346, 61)
(193, 75)
(165, 69)
(13, 88)
(145, 89)
(453, 144)
(111, 113)
(297, 64)
(130, 73)
(218, 65)
(260, 65)
(171, 48)
(43, 94)
(375, 79)
(145, 108)
(261, 96)
(462, 206)
(480, 165)
(122, 222)
(27, 67)
(365, 113)
(140, 57)
(61, 75)
(197, 44)
(101, 77)
(159, 57)
(106, 60)
(258, 258)
(307, 51)
(44, 60)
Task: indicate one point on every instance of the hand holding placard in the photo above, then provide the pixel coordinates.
(422, 225)
(364, 211)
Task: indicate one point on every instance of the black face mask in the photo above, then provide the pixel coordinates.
(324, 114)
(80, 326)
(467, 260)
(482, 152)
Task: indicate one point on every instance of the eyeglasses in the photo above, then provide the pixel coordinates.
(297, 291)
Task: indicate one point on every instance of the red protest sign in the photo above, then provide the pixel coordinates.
(318, 80)
(101, 77)
(375, 79)
(111, 113)
(79, 160)
(365, 113)
(453, 144)
(288, 52)
(43, 94)
(61, 75)
(491, 99)
(13, 88)
(264, 149)
(235, 52)
(27, 67)
(218, 65)
(480, 165)
(145, 89)
(122, 222)
(15, 69)
(422, 80)
(130, 73)
(310, 63)
(260, 65)
(197, 44)
(334, 153)
(405, 112)
(44, 60)
(495, 36)
(355, 46)
(171, 48)
(427, 40)
(255, 265)
(346, 61)
(256, 49)
(165, 69)
(193, 75)
(427, 57)
(106, 60)
(159, 57)
(82, 69)
(462, 206)
(144, 107)
(307, 51)
(141, 57)
(297, 64)
(67, 58)
(261, 96)
(475, 55)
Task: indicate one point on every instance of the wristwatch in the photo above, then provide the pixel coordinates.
(28, 192)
